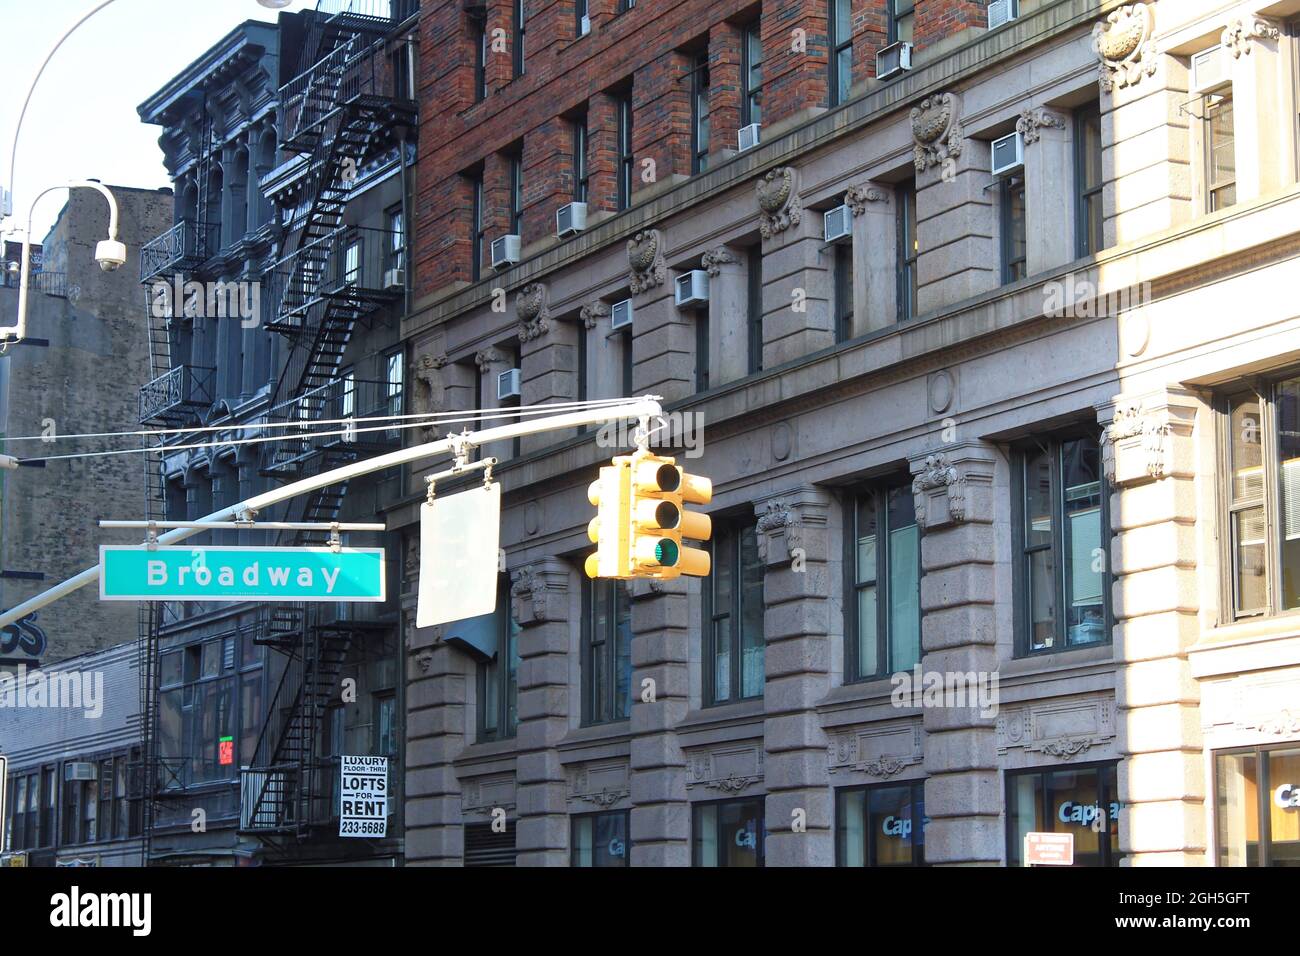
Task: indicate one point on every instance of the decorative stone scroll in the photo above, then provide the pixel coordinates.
(858, 197)
(592, 314)
(940, 493)
(1241, 33)
(645, 256)
(778, 204)
(1123, 42)
(532, 311)
(486, 358)
(936, 131)
(1134, 445)
(715, 259)
(430, 383)
(1034, 119)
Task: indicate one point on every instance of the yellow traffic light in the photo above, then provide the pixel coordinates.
(640, 524)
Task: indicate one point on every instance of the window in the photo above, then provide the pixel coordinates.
(840, 22)
(700, 114)
(386, 724)
(843, 280)
(517, 47)
(197, 717)
(1079, 800)
(751, 104)
(1262, 498)
(733, 622)
(908, 251)
(1220, 152)
(1257, 806)
(1063, 581)
(600, 839)
(516, 194)
(1011, 203)
(607, 652)
(1088, 180)
(899, 17)
(881, 826)
(701, 350)
(25, 810)
(580, 14)
(625, 152)
(625, 5)
(728, 833)
(480, 59)
(883, 609)
(498, 678)
(393, 370)
(351, 262)
(479, 237)
(754, 276)
(625, 353)
(395, 250)
(581, 178)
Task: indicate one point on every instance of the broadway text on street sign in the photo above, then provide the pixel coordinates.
(136, 573)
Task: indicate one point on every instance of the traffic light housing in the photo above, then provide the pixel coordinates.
(641, 520)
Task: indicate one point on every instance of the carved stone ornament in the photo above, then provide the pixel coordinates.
(936, 131)
(858, 197)
(1283, 723)
(486, 358)
(779, 533)
(1141, 438)
(715, 259)
(534, 316)
(430, 391)
(1243, 31)
(645, 255)
(528, 587)
(939, 479)
(1034, 119)
(593, 313)
(884, 766)
(1123, 42)
(778, 205)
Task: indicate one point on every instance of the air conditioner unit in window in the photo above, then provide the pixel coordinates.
(747, 137)
(80, 770)
(1209, 70)
(1002, 12)
(1008, 153)
(893, 59)
(508, 384)
(692, 288)
(570, 219)
(620, 314)
(584, 27)
(837, 224)
(505, 251)
(395, 279)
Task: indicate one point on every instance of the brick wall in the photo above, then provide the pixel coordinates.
(936, 19)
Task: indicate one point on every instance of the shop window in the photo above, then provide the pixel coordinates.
(1083, 801)
(601, 839)
(1257, 806)
(881, 826)
(1261, 498)
(733, 622)
(728, 833)
(883, 603)
(607, 652)
(1062, 529)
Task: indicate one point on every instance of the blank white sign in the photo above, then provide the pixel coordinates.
(459, 548)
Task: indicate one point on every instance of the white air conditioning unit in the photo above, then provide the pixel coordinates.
(837, 224)
(80, 770)
(1209, 70)
(1008, 153)
(584, 27)
(620, 314)
(505, 251)
(893, 59)
(570, 219)
(747, 137)
(508, 384)
(395, 279)
(1002, 12)
(692, 288)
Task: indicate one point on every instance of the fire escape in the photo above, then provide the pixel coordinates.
(347, 107)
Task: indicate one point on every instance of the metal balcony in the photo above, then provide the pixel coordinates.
(174, 396)
(181, 247)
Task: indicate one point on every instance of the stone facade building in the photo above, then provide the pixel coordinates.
(1025, 412)
(77, 373)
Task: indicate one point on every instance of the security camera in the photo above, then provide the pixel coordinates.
(111, 255)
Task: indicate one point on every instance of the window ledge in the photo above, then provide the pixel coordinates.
(611, 740)
(723, 716)
(478, 754)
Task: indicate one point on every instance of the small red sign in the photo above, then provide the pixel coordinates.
(226, 751)
(1049, 849)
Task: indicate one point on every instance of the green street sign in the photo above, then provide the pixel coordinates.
(136, 573)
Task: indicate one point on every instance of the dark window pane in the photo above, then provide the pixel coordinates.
(1085, 558)
(1288, 448)
(1236, 809)
(752, 642)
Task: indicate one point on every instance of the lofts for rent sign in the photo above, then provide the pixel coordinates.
(136, 573)
(363, 797)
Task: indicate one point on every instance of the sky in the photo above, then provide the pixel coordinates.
(82, 121)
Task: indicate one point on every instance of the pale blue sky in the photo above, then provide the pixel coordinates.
(82, 123)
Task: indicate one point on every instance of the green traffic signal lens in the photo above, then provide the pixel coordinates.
(666, 553)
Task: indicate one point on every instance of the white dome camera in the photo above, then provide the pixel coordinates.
(110, 254)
